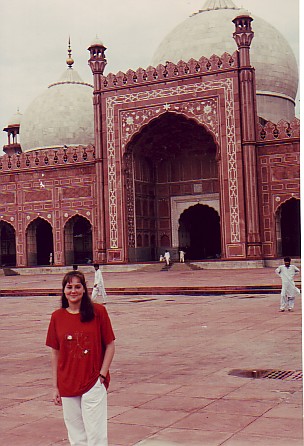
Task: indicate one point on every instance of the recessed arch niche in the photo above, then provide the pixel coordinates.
(171, 156)
(78, 241)
(39, 242)
(288, 228)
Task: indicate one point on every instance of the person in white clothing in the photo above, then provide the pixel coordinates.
(182, 256)
(289, 291)
(98, 287)
(167, 257)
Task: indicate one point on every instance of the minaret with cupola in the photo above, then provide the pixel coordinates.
(243, 36)
(97, 64)
(13, 146)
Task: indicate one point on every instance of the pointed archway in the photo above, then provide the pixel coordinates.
(39, 241)
(170, 157)
(199, 233)
(288, 228)
(7, 244)
(78, 241)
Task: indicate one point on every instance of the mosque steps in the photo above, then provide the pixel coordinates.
(165, 290)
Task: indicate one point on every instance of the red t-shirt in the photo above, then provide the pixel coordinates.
(81, 348)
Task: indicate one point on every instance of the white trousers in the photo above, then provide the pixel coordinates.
(98, 291)
(287, 302)
(85, 417)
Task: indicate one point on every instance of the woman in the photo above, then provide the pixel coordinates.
(82, 342)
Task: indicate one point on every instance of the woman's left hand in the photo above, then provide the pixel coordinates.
(57, 398)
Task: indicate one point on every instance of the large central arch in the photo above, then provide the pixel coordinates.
(171, 156)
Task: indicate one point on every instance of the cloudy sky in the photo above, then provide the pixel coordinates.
(34, 36)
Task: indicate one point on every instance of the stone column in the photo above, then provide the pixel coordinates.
(243, 36)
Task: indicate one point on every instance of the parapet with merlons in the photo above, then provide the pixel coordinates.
(170, 71)
(281, 131)
(47, 157)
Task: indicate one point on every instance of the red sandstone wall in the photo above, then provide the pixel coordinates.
(279, 176)
(52, 184)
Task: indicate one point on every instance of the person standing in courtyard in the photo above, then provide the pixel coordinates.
(98, 287)
(81, 338)
(167, 257)
(289, 291)
(182, 256)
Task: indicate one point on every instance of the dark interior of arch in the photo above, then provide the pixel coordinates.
(169, 135)
(199, 233)
(291, 228)
(82, 240)
(7, 244)
(44, 236)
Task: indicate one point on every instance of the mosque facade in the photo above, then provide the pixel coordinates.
(199, 151)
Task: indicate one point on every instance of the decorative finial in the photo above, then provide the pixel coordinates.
(69, 60)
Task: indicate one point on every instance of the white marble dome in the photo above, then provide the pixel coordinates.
(210, 32)
(62, 115)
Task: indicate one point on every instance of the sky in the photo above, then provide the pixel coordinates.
(34, 37)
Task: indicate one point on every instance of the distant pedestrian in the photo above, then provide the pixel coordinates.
(98, 287)
(167, 257)
(51, 259)
(182, 256)
(81, 338)
(289, 291)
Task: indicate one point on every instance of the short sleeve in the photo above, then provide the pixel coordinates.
(106, 330)
(51, 338)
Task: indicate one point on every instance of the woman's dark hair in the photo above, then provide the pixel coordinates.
(86, 306)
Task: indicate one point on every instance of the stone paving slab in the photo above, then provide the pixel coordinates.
(170, 376)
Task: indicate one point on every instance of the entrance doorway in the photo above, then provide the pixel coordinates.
(7, 244)
(289, 228)
(78, 241)
(199, 233)
(39, 239)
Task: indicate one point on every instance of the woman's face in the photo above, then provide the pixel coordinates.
(74, 291)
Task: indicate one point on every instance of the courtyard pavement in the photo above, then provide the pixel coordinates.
(172, 376)
(146, 279)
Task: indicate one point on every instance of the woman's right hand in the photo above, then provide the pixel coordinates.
(57, 397)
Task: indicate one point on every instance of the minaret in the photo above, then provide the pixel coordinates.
(12, 130)
(243, 36)
(97, 63)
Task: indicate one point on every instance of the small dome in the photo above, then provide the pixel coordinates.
(15, 119)
(210, 32)
(96, 42)
(62, 115)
